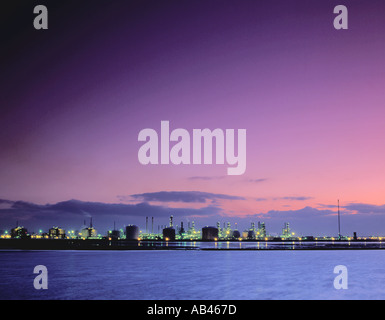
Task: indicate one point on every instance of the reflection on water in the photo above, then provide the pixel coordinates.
(262, 245)
(195, 274)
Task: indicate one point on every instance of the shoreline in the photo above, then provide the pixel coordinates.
(231, 245)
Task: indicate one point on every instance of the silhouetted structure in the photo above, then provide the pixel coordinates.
(19, 233)
(251, 235)
(209, 233)
(169, 234)
(236, 234)
(132, 232)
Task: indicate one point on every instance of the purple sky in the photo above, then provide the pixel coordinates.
(75, 96)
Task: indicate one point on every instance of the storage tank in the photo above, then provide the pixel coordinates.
(132, 232)
(251, 235)
(236, 234)
(210, 233)
(169, 234)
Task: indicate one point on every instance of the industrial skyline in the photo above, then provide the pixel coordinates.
(172, 231)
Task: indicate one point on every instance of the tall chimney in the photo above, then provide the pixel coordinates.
(339, 222)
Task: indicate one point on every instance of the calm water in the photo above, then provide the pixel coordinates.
(192, 274)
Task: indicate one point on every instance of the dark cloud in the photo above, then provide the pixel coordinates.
(304, 213)
(183, 196)
(358, 208)
(294, 198)
(363, 208)
(81, 208)
(68, 212)
(3, 201)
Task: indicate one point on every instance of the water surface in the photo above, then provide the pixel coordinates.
(193, 274)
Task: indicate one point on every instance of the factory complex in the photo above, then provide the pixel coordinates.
(171, 232)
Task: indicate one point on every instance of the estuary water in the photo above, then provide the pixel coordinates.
(193, 274)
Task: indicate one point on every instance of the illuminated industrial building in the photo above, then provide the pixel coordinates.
(114, 234)
(227, 233)
(286, 231)
(89, 232)
(5, 235)
(56, 233)
(19, 233)
(181, 233)
(192, 233)
(261, 233)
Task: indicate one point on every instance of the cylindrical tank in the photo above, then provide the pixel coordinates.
(132, 232)
(169, 234)
(251, 235)
(209, 233)
(236, 234)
